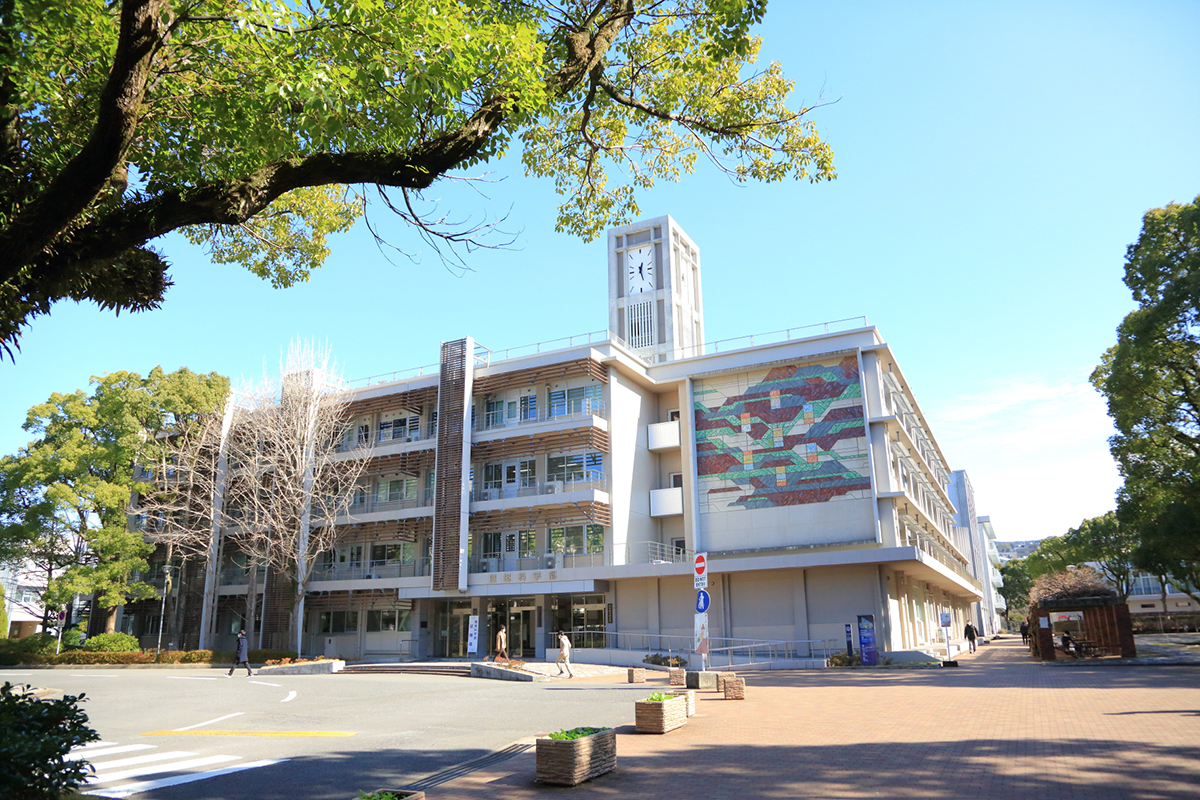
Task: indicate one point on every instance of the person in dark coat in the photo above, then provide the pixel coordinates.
(242, 659)
(1025, 632)
(971, 635)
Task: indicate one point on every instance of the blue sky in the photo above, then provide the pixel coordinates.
(994, 162)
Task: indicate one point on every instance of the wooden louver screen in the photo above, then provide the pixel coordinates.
(448, 481)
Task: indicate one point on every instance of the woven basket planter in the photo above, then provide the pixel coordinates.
(652, 716)
(722, 677)
(690, 694)
(735, 688)
(678, 676)
(637, 675)
(571, 762)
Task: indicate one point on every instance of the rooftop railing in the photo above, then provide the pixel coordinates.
(657, 553)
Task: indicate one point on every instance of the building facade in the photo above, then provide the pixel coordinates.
(567, 487)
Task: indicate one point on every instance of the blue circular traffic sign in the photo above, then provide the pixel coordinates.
(702, 601)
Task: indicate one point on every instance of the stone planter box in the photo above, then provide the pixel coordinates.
(735, 688)
(701, 680)
(678, 676)
(659, 717)
(571, 762)
(405, 794)
(637, 675)
(722, 677)
(690, 694)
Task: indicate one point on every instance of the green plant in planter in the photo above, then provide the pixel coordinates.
(575, 733)
(659, 697)
(377, 796)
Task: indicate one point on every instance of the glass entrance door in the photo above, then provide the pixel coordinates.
(453, 623)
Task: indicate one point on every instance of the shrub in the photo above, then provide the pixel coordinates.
(840, 659)
(660, 660)
(112, 643)
(35, 737)
(575, 733)
(659, 697)
(72, 639)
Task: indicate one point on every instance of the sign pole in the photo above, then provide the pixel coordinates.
(700, 579)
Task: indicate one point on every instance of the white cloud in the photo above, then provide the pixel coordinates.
(1035, 449)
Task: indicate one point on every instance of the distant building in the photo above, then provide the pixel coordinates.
(1011, 550)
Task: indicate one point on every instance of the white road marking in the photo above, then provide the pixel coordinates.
(178, 765)
(93, 744)
(291, 696)
(187, 678)
(129, 762)
(89, 675)
(263, 683)
(6, 674)
(144, 786)
(211, 721)
(76, 755)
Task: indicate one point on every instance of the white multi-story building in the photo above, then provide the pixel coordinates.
(566, 486)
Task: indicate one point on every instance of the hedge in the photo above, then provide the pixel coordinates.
(13, 659)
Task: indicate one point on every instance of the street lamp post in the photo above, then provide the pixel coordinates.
(162, 614)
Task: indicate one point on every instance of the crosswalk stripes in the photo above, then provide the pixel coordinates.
(187, 767)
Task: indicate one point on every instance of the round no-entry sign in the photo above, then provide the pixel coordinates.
(701, 564)
(700, 570)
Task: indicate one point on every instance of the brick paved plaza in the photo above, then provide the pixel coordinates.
(1000, 726)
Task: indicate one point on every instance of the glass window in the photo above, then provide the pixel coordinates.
(493, 476)
(583, 399)
(338, 622)
(526, 543)
(393, 553)
(389, 619)
(528, 473)
(558, 402)
(595, 538)
(490, 542)
(576, 467)
(529, 407)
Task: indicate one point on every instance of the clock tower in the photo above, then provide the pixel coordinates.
(654, 298)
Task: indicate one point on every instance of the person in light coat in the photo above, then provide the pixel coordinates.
(564, 654)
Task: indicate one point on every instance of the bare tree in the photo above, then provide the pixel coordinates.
(179, 498)
(286, 483)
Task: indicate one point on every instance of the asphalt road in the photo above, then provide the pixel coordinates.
(402, 728)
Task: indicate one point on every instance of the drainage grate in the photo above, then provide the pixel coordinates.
(447, 775)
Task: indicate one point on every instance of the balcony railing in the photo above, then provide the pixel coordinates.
(657, 553)
(590, 480)
(372, 505)
(371, 570)
(510, 562)
(394, 436)
(240, 576)
(559, 412)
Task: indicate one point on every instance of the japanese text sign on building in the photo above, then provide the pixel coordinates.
(473, 634)
(700, 570)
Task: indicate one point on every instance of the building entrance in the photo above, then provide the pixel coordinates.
(452, 624)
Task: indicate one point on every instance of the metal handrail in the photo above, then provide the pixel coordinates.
(370, 505)
(371, 570)
(590, 480)
(587, 407)
(755, 651)
(353, 441)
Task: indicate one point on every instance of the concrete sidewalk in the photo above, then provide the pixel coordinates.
(999, 726)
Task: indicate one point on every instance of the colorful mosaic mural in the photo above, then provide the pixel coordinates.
(788, 436)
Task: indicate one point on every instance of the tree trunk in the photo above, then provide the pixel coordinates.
(251, 600)
(110, 620)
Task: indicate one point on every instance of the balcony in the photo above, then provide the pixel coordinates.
(372, 505)
(663, 436)
(657, 553)
(354, 442)
(240, 576)
(590, 481)
(564, 412)
(509, 562)
(666, 502)
(371, 570)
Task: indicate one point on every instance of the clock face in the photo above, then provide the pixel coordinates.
(639, 267)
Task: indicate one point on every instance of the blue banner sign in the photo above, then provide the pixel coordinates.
(702, 601)
(866, 640)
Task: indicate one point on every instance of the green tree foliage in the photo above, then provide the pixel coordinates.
(64, 497)
(1151, 379)
(1017, 582)
(1102, 540)
(243, 122)
(35, 738)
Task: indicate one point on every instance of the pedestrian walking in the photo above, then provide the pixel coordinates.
(501, 644)
(971, 635)
(1025, 632)
(564, 654)
(242, 658)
